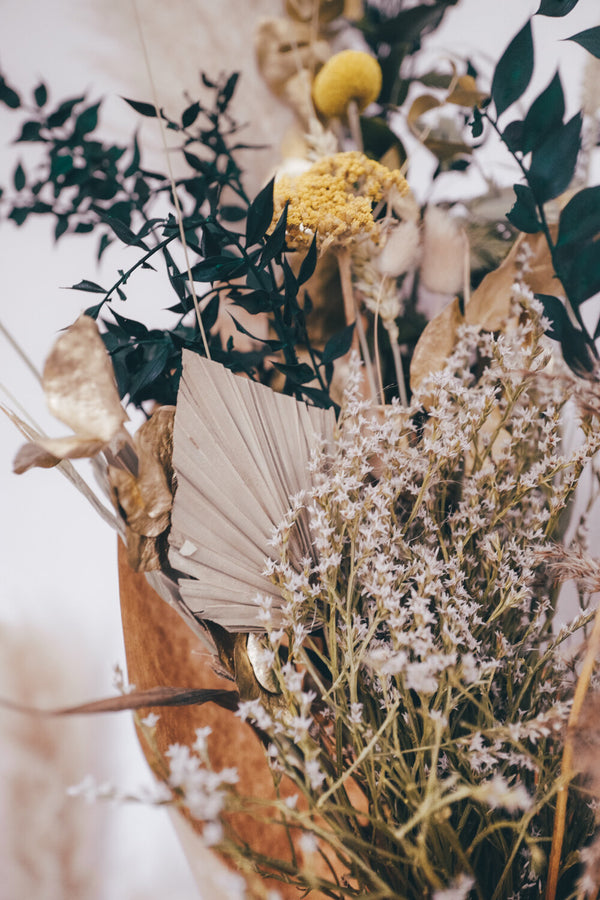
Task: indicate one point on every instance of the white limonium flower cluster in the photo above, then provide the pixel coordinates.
(420, 675)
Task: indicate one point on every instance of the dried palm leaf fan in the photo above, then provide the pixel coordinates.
(240, 452)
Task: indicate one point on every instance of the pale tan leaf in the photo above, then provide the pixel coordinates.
(435, 344)
(79, 383)
(490, 304)
(466, 93)
(48, 452)
(420, 106)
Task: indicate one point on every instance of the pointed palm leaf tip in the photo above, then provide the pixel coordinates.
(240, 452)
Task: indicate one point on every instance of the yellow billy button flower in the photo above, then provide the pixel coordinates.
(336, 198)
(349, 76)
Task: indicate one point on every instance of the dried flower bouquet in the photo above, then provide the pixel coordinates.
(369, 543)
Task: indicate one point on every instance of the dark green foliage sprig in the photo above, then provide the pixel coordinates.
(91, 186)
(546, 149)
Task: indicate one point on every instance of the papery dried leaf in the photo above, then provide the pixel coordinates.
(79, 383)
(146, 554)
(304, 10)
(145, 501)
(140, 517)
(435, 344)
(490, 304)
(419, 107)
(283, 47)
(45, 453)
(466, 93)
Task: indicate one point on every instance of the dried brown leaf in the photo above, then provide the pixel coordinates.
(283, 47)
(435, 344)
(490, 305)
(45, 453)
(79, 383)
(144, 501)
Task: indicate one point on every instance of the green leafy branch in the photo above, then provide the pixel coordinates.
(546, 149)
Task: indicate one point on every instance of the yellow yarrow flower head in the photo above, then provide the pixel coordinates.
(336, 198)
(351, 75)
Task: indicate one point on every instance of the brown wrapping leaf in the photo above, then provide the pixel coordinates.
(162, 650)
(79, 383)
(435, 344)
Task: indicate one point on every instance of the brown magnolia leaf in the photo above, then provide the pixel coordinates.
(304, 10)
(466, 93)
(419, 107)
(445, 149)
(490, 304)
(79, 383)
(435, 344)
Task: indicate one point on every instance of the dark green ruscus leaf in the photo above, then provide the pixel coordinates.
(580, 219)
(514, 70)
(556, 8)
(260, 215)
(545, 115)
(524, 214)
(553, 163)
(589, 40)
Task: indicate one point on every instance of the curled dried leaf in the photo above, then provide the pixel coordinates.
(284, 47)
(305, 10)
(466, 93)
(45, 453)
(145, 501)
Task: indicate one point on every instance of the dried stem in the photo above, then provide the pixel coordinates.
(354, 124)
(567, 770)
(359, 340)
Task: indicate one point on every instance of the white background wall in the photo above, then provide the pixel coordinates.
(57, 559)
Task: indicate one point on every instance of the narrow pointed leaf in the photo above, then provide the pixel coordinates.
(545, 115)
(260, 215)
(580, 219)
(524, 214)
(144, 109)
(514, 70)
(556, 8)
(589, 40)
(553, 163)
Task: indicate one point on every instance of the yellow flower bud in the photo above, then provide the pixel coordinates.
(351, 75)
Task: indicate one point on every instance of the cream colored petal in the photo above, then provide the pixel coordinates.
(79, 383)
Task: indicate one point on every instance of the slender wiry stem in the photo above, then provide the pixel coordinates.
(567, 770)
(354, 123)
(359, 340)
(171, 180)
(20, 352)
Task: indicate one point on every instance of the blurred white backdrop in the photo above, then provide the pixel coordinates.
(59, 613)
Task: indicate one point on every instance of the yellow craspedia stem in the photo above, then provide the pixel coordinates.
(336, 198)
(351, 75)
